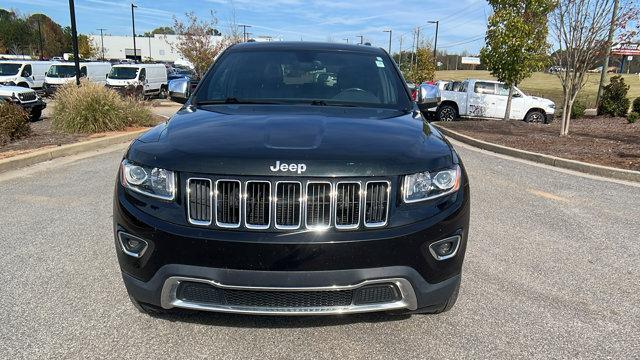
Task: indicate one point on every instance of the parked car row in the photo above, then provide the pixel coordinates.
(144, 80)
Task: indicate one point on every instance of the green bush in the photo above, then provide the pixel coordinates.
(636, 105)
(614, 100)
(14, 122)
(578, 109)
(633, 117)
(91, 108)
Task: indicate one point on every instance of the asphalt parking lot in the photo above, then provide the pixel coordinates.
(551, 271)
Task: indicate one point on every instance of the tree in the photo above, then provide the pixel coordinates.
(196, 42)
(424, 69)
(162, 30)
(580, 28)
(15, 34)
(516, 41)
(53, 38)
(86, 48)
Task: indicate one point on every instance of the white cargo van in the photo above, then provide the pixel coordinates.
(25, 73)
(139, 79)
(63, 73)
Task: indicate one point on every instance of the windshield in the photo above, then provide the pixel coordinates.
(123, 72)
(61, 71)
(7, 69)
(315, 77)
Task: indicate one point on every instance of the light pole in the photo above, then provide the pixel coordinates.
(40, 38)
(74, 40)
(605, 64)
(133, 26)
(435, 41)
(102, 41)
(244, 32)
(390, 32)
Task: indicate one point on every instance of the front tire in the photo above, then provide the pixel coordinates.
(447, 113)
(535, 116)
(35, 115)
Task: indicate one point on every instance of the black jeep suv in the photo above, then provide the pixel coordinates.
(299, 178)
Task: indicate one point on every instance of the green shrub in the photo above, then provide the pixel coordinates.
(633, 117)
(635, 107)
(614, 100)
(91, 108)
(14, 122)
(578, 109)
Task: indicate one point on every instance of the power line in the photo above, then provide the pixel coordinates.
(462, 42)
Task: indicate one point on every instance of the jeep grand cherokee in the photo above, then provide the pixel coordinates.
(299, 178)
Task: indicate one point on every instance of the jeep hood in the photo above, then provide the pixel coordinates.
(329, 141)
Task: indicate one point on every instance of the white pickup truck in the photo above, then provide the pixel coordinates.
(486, 99)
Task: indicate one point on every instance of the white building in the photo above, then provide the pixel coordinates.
(158, 47)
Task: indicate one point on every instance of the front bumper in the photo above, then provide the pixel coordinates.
(279, 262)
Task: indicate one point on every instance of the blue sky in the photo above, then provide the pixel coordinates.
(462, 25)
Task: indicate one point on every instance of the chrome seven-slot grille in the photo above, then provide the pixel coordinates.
(287, 205)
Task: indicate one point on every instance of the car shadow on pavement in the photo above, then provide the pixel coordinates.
(268, 321)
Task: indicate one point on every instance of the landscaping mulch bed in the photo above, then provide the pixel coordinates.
(597, 140)
(44, 136)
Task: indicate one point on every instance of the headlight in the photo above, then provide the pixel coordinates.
(425, 185)
(154, 182)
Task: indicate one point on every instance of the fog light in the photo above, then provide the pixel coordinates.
(445, 248)
(132, 245)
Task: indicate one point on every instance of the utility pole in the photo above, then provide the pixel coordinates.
(417, 46)
(74, 40)
(40, 37)
(346, 39)
(605, 64)
(390, 32)
(361, 39)
(400, 53)
(435, 42)
(133, 26)
(244, 32)
(102, 41)
(413, 44)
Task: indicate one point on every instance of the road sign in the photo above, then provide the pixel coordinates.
(470, 60)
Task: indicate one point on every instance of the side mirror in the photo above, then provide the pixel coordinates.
(179, 90)
(427, 96)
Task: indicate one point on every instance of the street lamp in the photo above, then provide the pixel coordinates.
(102, 41)
(435, 42)
(390, 32)
(133, 26)
(74, 40)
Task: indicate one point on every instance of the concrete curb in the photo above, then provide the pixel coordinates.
(38, 156)
(598, 170)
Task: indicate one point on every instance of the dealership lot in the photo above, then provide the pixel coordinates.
(551, 271)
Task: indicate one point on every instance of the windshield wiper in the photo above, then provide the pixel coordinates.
(324, 103)
(234, 100)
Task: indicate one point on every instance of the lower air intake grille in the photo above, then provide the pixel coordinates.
(288, 205)
(228, 203)
(199, 195)
(208, 294)
(318, 205)
(347, 205)
(377, 294)
(258, 204)
(377, 199)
